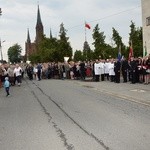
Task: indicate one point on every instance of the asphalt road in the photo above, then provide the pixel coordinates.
(67, 115)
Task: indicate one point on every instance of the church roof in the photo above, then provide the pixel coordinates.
(38, 16)
(28, 37)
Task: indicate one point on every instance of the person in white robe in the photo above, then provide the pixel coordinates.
(102, 70)
(111, 70)
(97, 70)
(106, 68)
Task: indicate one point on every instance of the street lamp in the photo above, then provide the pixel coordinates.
(0, 11)
(1, 50)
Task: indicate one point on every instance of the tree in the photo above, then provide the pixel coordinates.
(99, 42)
(14, 53)
(87, 52)
(48, 50)
(116, 37)
(118, 42)
(136, 38)
(64, 48)
(78, 55)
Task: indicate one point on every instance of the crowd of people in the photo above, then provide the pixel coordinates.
(135, 70)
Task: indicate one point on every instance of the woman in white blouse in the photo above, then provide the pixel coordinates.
(18, 73)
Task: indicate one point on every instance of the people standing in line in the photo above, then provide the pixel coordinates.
(133, 67)
(4, 72)
(117, 68)
(106, 69)
(145, 73)
(11, 74)
(39, 71)
(137, 71)
(7, 86)
(140, 70)
(82, 70)
(148, 67)
(18, 74)
(125, 69)
(93, 70)
(35, 71)
(111, 70)
(102, 70)
(30, 71)
(97, 70)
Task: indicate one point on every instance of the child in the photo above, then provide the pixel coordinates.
(7, 85)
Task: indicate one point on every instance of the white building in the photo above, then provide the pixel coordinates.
(146, 24)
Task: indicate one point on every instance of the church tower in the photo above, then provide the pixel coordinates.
(27, 46)
(32, 47)
(39, 28)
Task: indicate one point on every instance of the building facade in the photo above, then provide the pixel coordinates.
(146, 25)
(32, 47)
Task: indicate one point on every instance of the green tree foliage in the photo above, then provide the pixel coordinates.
(118, 42)
(14, 53)
(87, 52)
(99, 42)
(116, 37)
(48, 50)
(64, 48)
(52, 49)
(136, 38)
(78, 55)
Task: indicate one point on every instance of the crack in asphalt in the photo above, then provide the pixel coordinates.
(58, 130)
(89, 134)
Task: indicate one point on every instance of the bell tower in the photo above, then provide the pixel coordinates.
(39, 28)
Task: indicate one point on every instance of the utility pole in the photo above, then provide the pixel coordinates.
(1, 50)
(0, 11)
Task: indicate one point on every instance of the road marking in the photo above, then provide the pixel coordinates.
(138, 90)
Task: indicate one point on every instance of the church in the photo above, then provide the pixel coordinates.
(31, 47)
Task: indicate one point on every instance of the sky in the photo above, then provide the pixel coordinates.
(19, 15)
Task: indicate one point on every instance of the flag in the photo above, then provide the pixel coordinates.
(87, 26)
(130, 51)
(145, 50)
(119, 53)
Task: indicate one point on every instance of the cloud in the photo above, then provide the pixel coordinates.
(18, 15)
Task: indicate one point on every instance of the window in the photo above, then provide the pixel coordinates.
(148, 21)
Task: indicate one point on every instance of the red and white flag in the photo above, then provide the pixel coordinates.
(87, 26)
(130, 51)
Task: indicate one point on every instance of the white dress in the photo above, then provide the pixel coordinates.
(97, 69)
(111, 69)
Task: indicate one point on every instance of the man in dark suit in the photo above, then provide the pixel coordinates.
(117, 67)
(124, 68)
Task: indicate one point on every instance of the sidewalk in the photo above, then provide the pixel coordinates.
(138, 93)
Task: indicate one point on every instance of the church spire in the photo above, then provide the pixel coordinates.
(28, 37)
(51, 34)
(39, 27)
(38, 16)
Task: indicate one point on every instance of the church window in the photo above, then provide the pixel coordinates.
(148, 21)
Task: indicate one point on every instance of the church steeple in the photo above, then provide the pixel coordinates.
(38, 16)
(39, 27)
(51, 34)
(28, 37)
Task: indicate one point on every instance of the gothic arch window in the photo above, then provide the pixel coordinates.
(148, 21)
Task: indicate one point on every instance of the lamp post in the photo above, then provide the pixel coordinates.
(1, 50)
(0, 11)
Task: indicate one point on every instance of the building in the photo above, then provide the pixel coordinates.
(146, 25)
(32, 47)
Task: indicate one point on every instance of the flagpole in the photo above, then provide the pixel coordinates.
(145, 50)
(85, 31)
(132, 48)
